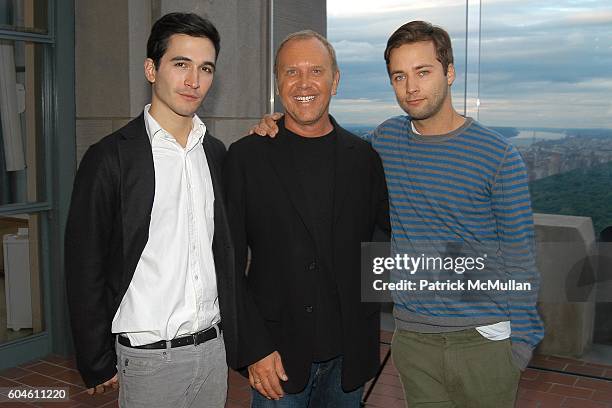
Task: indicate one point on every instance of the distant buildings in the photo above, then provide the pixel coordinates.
(550, 157)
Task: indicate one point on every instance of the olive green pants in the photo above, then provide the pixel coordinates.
(459, 369)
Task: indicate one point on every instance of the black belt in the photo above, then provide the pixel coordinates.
(195, 339)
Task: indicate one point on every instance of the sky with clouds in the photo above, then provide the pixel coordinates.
(542, 63)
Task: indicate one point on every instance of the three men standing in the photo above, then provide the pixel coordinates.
(148, 248)
(149, 255)
(303, 202)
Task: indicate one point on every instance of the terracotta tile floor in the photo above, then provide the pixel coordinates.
(538, 388)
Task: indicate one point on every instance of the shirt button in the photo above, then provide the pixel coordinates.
(308, 309)
(196, 277)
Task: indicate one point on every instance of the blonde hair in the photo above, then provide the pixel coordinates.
(306, 35)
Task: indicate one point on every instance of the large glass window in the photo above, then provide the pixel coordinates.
(545, 82)
(22, 147)
(24, 15)
(25, 123)
(538, 72)
(546, 78)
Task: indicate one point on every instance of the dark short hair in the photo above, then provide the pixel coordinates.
(417, 31)
(179, 23)
(307, 35)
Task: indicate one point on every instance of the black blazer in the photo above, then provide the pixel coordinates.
(106, 232)
(267, 211)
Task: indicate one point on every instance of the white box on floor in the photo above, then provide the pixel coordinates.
(17, 280)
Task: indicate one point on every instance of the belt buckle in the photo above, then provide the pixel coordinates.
(195, 339)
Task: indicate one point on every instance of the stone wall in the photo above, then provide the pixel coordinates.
(567, 293)
(111, 48)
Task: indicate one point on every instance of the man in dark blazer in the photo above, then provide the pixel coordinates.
(149, 261)
(303, 202)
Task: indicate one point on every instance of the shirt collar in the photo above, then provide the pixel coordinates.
(198, 130)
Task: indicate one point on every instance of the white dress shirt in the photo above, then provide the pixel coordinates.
(174, 288)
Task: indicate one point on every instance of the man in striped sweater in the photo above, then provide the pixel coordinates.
(458, 191)
(454, 183)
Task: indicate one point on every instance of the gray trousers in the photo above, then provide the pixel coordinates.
(181, 377)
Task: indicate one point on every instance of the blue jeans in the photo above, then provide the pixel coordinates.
(324, 390)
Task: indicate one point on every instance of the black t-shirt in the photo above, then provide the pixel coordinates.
(315, 164)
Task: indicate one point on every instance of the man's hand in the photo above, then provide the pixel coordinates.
(264, 376)
(100, 388)
(267, 125)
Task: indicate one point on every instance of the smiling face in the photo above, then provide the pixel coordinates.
(182, 79)
(306, 82)
(421, 88)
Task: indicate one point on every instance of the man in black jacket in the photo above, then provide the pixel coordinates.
(303, 202)
(149, 262)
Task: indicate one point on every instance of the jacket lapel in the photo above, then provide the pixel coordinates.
(213, 166)
(137, 189)
(221, 245)
(215, 161)
(343, 167)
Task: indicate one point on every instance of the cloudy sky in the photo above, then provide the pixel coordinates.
(543, 63)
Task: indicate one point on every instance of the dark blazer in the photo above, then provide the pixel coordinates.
(106, 232)
(268, 212)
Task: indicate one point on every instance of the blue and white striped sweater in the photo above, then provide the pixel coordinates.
(467, 186)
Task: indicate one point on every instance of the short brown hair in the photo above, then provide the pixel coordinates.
(417, 31)
(306, 35)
